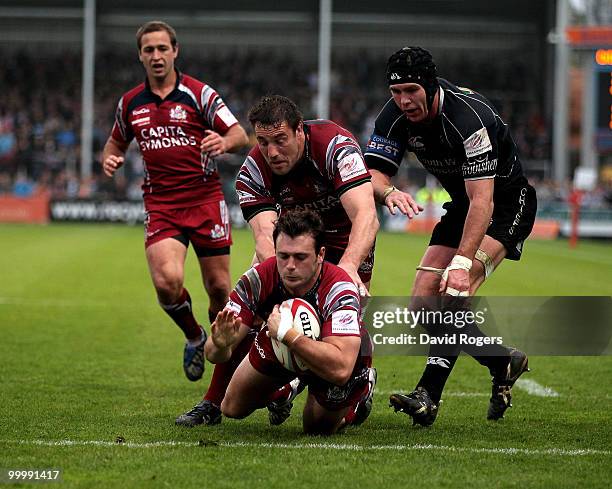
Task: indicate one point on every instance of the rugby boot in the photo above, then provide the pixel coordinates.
(193, 359)
(204, 412)
(418, 405)
(280, 410)
(360, 412)
(501, 395)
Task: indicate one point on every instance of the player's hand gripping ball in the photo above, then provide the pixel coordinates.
(301, 316)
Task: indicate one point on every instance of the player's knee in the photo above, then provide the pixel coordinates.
(218, 289)
(232, 409)
(426, 284)
(319, 428)
(168, 288)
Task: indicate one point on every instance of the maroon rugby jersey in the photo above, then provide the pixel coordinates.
(332, 163)
(168, 133)
(334, 296)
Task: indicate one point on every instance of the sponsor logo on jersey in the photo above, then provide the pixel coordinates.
(142, 111)
(467, 91)
(245, 197)
(234, 307)
(385, 147)
(351, 166)
(161, 137)
(141, 121)
(323, 204)
(318, 188)
(345, 322)
(416, 142)
(446, 166)
(479, 167)
(178, 114)
(217, 232)
(478, 143)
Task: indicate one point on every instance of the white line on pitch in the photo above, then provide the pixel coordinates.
(535, 389)
(316, 446)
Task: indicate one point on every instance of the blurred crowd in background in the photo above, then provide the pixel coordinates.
(40, 103)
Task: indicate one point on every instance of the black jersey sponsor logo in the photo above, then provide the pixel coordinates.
(384, 147)
(475, 168)
(478, 143)
(416, 142)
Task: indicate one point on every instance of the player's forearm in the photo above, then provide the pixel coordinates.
(324, 359)
(262, 225)
(361, 239)
(380, 182)
(475, 227)
(264, 249)
(215, 354)
(264, 244)
(112, 148)
(235, 138)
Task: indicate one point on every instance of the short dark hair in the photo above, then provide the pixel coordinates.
(155, 26)
(273, 110)
(298, 223)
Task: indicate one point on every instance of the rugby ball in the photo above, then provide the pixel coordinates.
(304, 319)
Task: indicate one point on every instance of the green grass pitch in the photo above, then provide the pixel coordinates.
(87, 358)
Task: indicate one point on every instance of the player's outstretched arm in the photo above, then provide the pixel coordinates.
(332, 359)
(113, 156)
(358, 203)
(225, 332)
(217, 144)
(387, 194)
(456, 280)
(262, 225)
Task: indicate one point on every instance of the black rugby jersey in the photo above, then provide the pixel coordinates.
(467, 140)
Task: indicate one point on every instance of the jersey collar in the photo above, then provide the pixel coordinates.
(440, 99)
(179, 79)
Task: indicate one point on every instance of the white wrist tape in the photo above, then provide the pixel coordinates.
(457, 263)
(286, 323)
(456, 293)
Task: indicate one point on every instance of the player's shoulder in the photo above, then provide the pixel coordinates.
(192, 83)
(337, 290)
(255, 154)
(267, 269)
(467, 110)
(255, 162)
(389, 118)
(335, 277)
(133, 93)
(327, 143)
(323, 131)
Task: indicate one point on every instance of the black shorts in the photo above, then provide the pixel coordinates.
(513, 217)
(333, 255)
